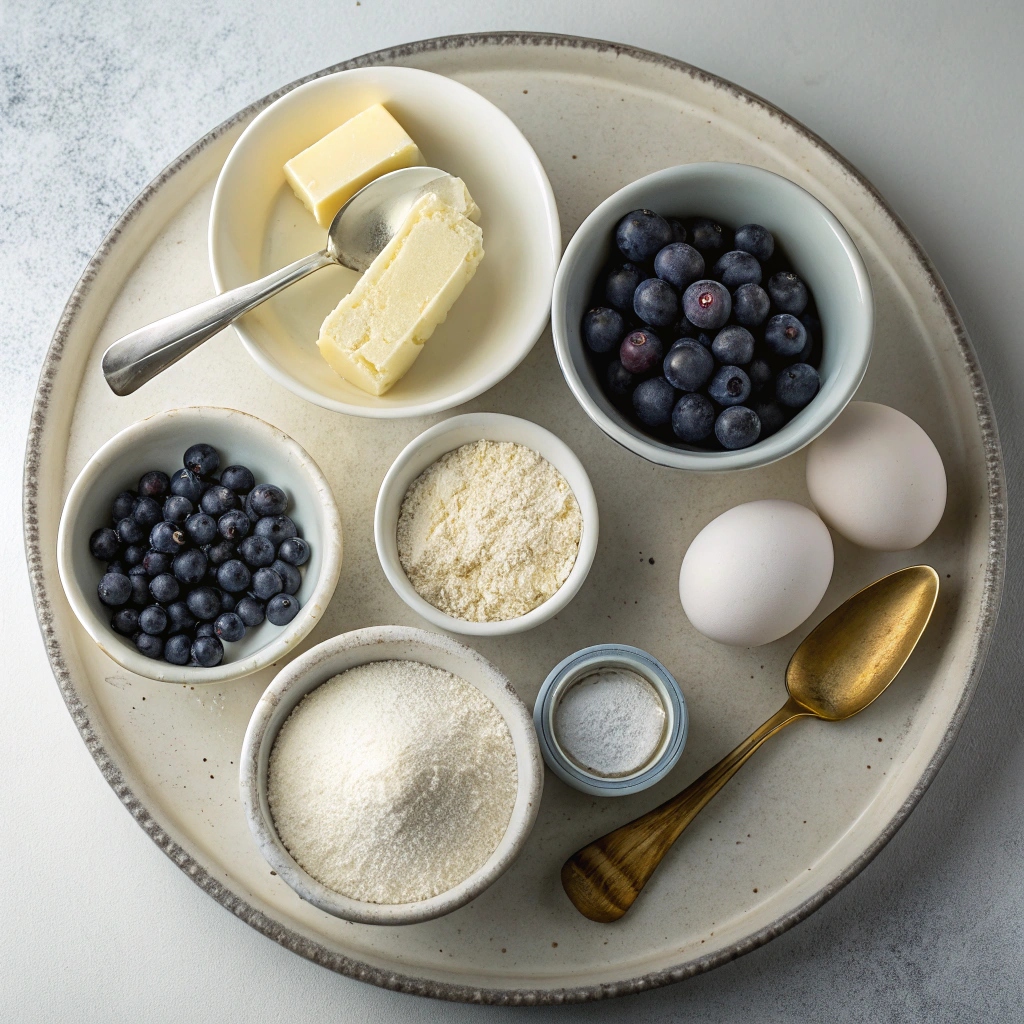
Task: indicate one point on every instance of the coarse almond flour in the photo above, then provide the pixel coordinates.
(392, 782)
(489, 531)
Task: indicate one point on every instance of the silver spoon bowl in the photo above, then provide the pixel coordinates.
(358, 233)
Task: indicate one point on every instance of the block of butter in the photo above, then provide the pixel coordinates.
(377, 331)
(331, 171)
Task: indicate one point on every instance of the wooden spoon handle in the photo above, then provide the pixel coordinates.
(604, 878)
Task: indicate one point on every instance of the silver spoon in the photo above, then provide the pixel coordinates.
(359, 231)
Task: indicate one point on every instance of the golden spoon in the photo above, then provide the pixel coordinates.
(844, 663)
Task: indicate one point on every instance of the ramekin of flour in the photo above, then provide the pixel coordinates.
(486, 524)
(390, 775)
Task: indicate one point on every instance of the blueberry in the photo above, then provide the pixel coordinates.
(703, 338)
(258, 551)
(104, 544)
(812, 325)
(788, 292)
(291, 576)
(603, 329)
(204, 603)
(678, 230)
(785, 335)
(153, 619)
(135, 570)
(653, 400)
(154, 484)
(679, 264)
(156, 562)
(186, 484)
(133, 555)
(180, 618)
(164, 588)
(227, 601)
(129, 531)
(147, 512)
(140, 591)
(736, 268)
(150, 646)
(294, 550)
(238, 478)
(737, 427)
(114, 589)
(168, 538)
(282, 609)
(220, 551)
(177, 509)
(201, 459)
(756, 240)
(266, 583)
(640, 234)
(178, 649)
(620, 381)
(620, 284)
(693, 418)
(729, 386)
(122, 506)
(707, 304)
(796, 385)
(218, 499)
(126, 621)
(760, 374)
(251, 611)
(750, 304)
(233, 576)
(706, 235)
(234, 525)
(267, 500)
(229, 627)
(189, 566)
(656, 302)
(641, 351)
(733, 345)
(275, 529)
(688, 365)
(116, 567)
(201, 528)
(207, 651)
(206, 629)
(772, 416)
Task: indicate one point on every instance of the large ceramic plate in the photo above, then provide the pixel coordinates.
(811, 809)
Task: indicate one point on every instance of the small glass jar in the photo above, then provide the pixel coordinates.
(589, 662)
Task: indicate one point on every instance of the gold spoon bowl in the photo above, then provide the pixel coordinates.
(844, 664)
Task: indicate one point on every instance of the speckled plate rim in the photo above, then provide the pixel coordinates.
(295, 941)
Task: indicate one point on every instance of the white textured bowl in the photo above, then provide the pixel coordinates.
(257, 225)
(384, 643)
(424, 451)
(159, 442)
(820, 250)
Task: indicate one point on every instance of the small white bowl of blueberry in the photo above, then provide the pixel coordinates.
(199, 545)
(712, 316)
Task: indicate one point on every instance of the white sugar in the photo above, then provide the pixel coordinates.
(393, 781)
(610, 722)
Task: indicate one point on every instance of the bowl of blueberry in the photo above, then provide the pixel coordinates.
(199, 545)
(712, 316)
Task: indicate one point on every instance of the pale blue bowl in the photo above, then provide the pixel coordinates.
(820, 250)
(590, 660)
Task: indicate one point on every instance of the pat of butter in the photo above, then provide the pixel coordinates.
(331, 171)
(377, 331)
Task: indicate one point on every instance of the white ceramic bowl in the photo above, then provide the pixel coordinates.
(384, 643)
(159, 442)
(424, 451)
(821, 252)
(257, 225)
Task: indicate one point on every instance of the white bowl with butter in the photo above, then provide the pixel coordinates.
(257, 224)
(446, 436)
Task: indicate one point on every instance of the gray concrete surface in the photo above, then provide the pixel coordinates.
(95, 97)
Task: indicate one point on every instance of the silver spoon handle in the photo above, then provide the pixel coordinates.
(138, 357)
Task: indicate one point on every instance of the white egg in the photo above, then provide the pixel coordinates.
(876, 477)
(756, 572)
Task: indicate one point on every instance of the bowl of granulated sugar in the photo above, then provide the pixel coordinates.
(390, 775)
